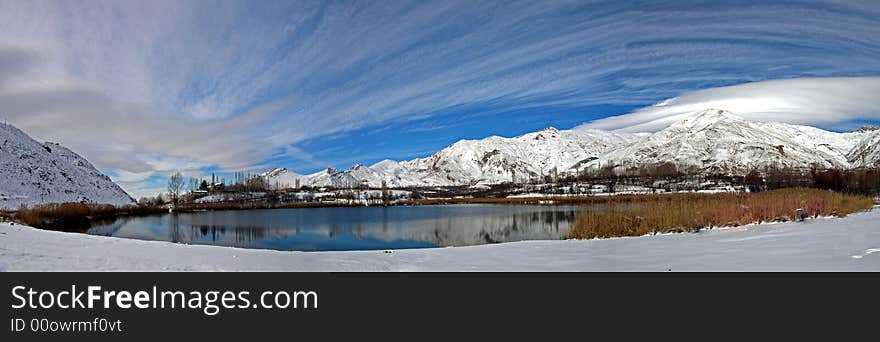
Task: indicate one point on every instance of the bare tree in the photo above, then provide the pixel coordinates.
(175, 185)
(386, 195)
(193, 185)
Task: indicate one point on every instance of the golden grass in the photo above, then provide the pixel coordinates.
(689, 212)
(76, 216)
(57, 215)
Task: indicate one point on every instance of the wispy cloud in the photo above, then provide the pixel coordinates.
(233, 84)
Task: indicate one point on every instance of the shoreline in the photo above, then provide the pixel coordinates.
(626, 214)
(821, 244)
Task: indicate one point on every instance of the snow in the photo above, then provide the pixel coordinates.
(227, 197)
(711, 140)
(718, 141)
(34, 173)
(867, 151)
(213, 198)
(282, 178)
(530, 156)
(468, 162)
(824, 244)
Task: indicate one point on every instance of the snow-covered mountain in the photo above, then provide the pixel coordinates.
(495, 159)
(357, 175)
(397, 175)
(718, 141)
(866, 152)
(709, 141)
(282, 178)
(466, 162)
(34, 173)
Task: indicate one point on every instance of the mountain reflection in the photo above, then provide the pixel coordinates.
(352, 228)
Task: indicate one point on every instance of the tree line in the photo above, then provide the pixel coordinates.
(662, 178)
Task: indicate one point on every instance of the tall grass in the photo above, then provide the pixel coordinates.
(689, 212)
(80, 216)
(74, 216)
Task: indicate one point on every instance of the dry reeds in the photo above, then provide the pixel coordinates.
(689, 212)
(66, 216)
(77, 216)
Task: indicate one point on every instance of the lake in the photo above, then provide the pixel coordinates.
(350, 228)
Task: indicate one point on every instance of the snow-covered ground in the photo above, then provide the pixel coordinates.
(825, 244)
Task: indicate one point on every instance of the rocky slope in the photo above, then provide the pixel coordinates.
(35, 173)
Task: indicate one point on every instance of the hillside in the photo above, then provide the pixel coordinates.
(467, 162)
(867, 151)
(709, 141)
(717, 141)
(35, 173)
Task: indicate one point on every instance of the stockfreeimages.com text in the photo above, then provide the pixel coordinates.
(210, 302)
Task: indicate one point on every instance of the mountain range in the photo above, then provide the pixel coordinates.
(710, 141)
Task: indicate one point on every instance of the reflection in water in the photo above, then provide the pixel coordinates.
(351, 228)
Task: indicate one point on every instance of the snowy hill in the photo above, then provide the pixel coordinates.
(396, 175)
(486, 161)
(281, 178)
(34, 173)
(866, 151)
(331, 177)
(718, 141)
(709, 141)
(529, 156)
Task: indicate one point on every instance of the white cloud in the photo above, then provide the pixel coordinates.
(823, 102)
(131, 177)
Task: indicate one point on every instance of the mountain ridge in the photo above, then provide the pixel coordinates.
(707, 141)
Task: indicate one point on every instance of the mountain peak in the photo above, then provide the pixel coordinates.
(867, 128)
(715, 113)
(705, 118)
(275, 172)
(550, 131)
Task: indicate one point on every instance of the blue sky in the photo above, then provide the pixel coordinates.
(146, 88)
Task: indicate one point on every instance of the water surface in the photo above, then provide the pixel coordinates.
(351, 228)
